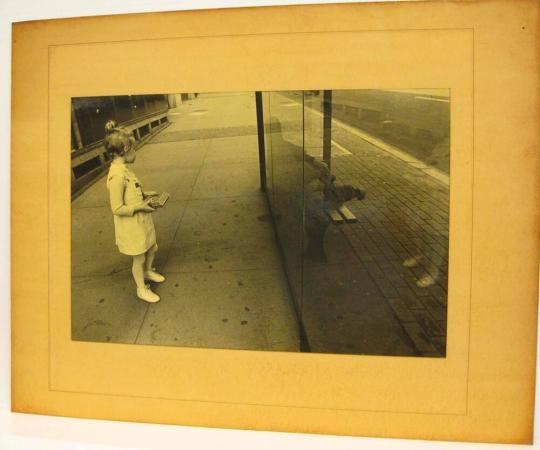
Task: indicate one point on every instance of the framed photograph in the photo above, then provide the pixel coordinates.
(315, 219)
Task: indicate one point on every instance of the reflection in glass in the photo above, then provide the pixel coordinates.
(370, 202)
(284, 159)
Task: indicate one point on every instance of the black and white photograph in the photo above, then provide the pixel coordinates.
(292, 221)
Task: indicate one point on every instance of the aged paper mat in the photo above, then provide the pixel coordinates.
(485, 52)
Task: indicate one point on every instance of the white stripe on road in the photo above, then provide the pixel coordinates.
(432, 99)
(394, 151)
(343, 149)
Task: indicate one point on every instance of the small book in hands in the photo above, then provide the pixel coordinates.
(159, 201)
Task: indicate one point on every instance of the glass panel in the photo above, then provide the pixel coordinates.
(155, 103)
(268, 148)
(123, 108)
(138, 105)
(92, 113)
(284, 155)
(375, 273)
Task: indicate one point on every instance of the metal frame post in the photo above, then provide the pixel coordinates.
(260, 134)
(327, 128)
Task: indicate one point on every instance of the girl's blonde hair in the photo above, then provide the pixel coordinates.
(118, 140)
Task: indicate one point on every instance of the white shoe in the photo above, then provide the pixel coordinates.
(152, 275)
(147, 295)
(412, 261)
(425, 281)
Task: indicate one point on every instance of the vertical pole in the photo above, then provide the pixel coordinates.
(327, 128)
(260, 133)
(76, 130)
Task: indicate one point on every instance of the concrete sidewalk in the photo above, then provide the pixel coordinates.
(225, 286)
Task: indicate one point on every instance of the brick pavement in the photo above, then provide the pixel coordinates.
(404, 215)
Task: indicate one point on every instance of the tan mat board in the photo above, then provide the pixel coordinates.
(486, 52)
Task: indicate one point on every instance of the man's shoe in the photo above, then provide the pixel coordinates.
(147, 295)
(412, 261)
(426, 281)
(359, 194)
(152, 275)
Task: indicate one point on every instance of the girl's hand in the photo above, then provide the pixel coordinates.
(145, 206)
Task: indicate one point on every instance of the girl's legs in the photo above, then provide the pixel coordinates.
(150, 255)
(138, 271)
(143, 292)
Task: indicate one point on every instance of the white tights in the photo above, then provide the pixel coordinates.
(142, 263)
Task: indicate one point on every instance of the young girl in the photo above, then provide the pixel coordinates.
(133, 224)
